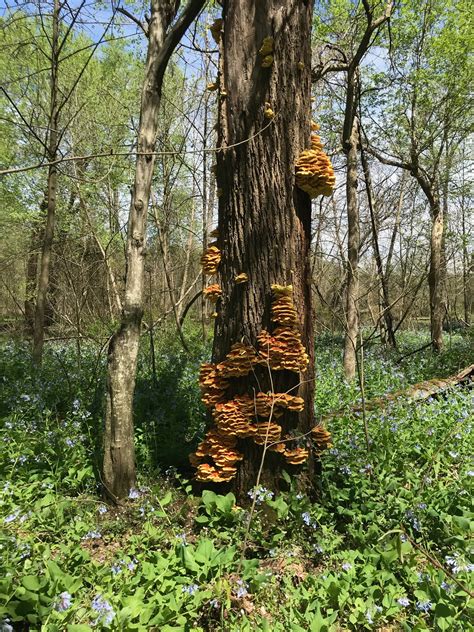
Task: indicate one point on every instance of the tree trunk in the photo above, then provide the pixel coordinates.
(264, 220)
(437, 274)
(119, 450)
(385, 300)
(353, 236)
(50, 196)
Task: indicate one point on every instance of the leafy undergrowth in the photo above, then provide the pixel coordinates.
(385, 546)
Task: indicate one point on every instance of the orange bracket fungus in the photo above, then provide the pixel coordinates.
(265, 52)
(212, 292)
(321, 438)
(241, 278)
(245, 417)
(211, 259)
(314, 171)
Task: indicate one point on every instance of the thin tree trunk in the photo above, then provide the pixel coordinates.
(50, 196)
(436, 276)
(387, 314)
(119, 451)
(353, 244)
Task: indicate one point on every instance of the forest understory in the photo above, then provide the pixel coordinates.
(382, 544)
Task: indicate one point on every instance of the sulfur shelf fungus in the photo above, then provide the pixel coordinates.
(212, 384)
(296, 456)
(321, 438)
(267, 432)
(241, 278)
(314, 171)
(231, 421)
(283, 350)
(239, 361)
(212, 292)
(211, 259)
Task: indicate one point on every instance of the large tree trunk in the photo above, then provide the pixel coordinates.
(264, 220)
(437, 274)
(50, 196)
(119, 449)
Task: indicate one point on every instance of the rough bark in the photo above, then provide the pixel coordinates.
(49, 202)
(118, 470)
(264, 220)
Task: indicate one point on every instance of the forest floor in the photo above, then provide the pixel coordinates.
(386, 546)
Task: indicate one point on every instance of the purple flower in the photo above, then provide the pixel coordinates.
(70, 442)
(403, 601)
(12, 517)
(347, 566)
(64, 602)
(133, 494)
(423, 606)
(132, 565)
(102, 509)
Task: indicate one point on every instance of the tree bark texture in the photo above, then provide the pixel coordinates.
(264, 220)
(49, 202)
(118, 469)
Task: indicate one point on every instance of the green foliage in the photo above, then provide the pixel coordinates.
(168, 560)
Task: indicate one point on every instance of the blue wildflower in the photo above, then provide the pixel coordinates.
(191, 589)
(92, 535)
(306, 518)
(64, 602)
(104, 609)
(423, 606)
(5, 626)
(347, 566)
(133, 494)
(403, 601)
(102, 509)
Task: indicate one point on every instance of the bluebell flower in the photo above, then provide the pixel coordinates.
(64, 602)
(306, 518)
(116, 569)
(345, 469)
(102, 509)
(368, 616)
(299, 496)
(132, 565)
(11, 517)
(318, 549)
(423, 606)
(347, 566)
(367, 469)
(191, 589)
(92, 535)
(241, 589)
(104, 609)
(260, 494)
(70, 442)
(422, 506)
(403, 601)
(430, 432)
(453, 455)
(133, 494)
(76, 404)
(5, 626)
(215, 603)
(446, 586)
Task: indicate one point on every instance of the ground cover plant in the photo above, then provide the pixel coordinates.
(383, 544)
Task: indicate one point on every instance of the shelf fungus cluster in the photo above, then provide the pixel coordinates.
(244, 417)
(212, 292)
(314, 171)
(266, 52)
(211, 259)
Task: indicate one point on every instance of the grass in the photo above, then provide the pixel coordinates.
(386, 547)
